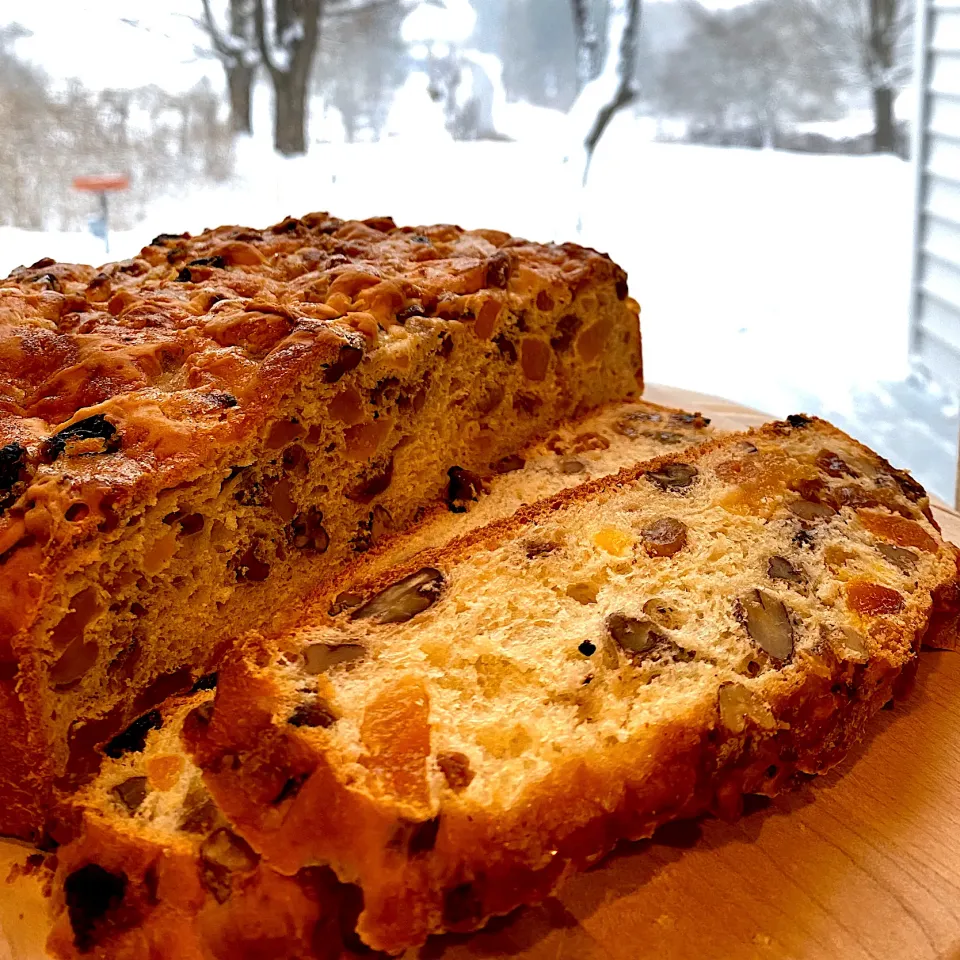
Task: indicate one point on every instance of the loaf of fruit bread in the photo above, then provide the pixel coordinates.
(157, 872)
(148, 808)
(457, 735)
(190, 437)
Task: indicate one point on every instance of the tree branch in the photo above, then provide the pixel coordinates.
(625, 64)
(263, 42)
(588, 43)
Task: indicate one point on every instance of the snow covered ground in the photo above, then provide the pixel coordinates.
(778, 280)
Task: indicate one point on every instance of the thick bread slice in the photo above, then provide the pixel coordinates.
(146, 824)
(459, 734)
(192, 438)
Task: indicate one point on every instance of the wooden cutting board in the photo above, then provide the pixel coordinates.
(861, 863)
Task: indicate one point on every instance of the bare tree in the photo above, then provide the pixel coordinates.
(235, 47)
(287, 32)
(870, 41)
(743, 74)
(605, 85)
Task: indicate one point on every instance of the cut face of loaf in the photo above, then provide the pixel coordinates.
(190, 438)
(596, 445)
(132, 825)
(457, 735)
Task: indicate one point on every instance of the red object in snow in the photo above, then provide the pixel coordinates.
(114, 181)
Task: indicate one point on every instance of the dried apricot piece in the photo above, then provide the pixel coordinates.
(899, 530)
(396, 734)
(873, 600)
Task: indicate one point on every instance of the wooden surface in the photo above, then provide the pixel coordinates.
(862, 863)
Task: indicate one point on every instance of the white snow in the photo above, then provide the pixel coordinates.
(778, 280)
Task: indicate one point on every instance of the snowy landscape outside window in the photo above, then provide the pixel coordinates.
(749, 164)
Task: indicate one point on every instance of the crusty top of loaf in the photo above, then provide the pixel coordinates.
(210, 312)
(186, 348)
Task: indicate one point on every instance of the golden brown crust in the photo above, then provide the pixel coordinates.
(483, 860)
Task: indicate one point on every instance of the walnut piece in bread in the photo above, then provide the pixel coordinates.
(191, 437)
(457, 735)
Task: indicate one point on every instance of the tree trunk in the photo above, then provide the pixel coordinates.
(884, 132)
(240, 82)
(290, 114)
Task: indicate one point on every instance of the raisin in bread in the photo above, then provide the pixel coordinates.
(148, 807)
(156, 871)
(191, 437)
(459, 734)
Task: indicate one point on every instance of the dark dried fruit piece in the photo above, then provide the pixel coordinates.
(91, 893)
(206, 682)
(799, 420)
(223, 854)
(506, 347)
(911, 489)
(833, 465)
(404, 600)
(568, 326)
(455, 768)
(906, 560)
(316, 713)
(249, 567)
(587, 648)
(664, 537)
(767, 622)
(217, 262)
(131, 793)
(184, 276)
(134, 738)
(97, 427)
(320, 657)
(372, 486)
(290, 788)
(779, 568)
(415, 838)
(349, 358)
(498, 270)
(463, 487)
(673, 476)
(13, 460)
